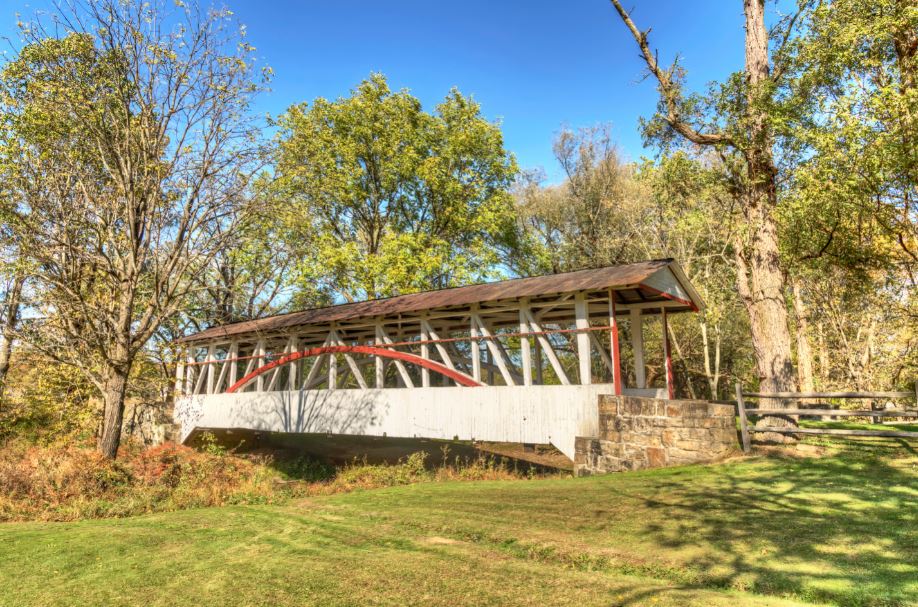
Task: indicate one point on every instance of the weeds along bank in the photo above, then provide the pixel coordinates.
(65, 483)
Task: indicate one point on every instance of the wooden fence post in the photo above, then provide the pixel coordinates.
(744, 427)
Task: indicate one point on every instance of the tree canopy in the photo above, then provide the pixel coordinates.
(381, 197)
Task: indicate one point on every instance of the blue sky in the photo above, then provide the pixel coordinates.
(535, 65)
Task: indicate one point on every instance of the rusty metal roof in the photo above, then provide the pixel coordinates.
(599, 278)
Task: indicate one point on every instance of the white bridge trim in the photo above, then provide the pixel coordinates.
(518, 414)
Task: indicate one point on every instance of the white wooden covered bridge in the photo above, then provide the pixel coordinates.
(520, 360)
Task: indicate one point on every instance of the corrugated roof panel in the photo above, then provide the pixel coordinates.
(598, 278)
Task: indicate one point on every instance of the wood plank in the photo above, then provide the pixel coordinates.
(584, 354)
(525, 346)
(744, 423)
(425, 353)
(259, 360)
(313, 375)
(837, 412)
(234, 365)
(211, 367)
(379, 362)
(838, 432)
(828, 394)
(399, 365)
(351, 363)
(476, 347)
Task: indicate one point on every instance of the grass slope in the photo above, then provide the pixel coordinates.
(764, 531)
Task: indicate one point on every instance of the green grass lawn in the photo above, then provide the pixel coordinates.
(762, 531)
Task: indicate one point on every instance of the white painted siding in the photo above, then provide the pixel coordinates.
(518, 414)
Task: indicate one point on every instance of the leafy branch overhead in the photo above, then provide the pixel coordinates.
(129, 147)
(381, 197)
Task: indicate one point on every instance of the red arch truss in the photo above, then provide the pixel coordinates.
(457, 376)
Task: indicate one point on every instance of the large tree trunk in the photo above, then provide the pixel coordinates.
(760, 279)
(761, 288)
(761, 263)
(11, 312)
(115, 378)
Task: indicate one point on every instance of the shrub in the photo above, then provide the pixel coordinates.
(57, 483)
(66, 483)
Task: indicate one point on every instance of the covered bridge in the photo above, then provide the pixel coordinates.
(521, 360)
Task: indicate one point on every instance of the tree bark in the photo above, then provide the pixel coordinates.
(114, 386)
(766, 287)
(11, 313)
(113, 415)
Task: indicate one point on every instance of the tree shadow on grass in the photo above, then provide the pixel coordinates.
(838, 529)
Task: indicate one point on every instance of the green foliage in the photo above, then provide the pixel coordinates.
(381, 197)
(127, 145)
(47, 402)
(853, 181)
(608, 212)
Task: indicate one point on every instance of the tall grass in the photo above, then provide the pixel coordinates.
(60, 483)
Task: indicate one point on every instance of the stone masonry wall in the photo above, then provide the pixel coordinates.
(637, 433)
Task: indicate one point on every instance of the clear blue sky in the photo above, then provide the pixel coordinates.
(535, 65)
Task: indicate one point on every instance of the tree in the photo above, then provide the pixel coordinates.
(383, 198)
(848, 215)
(608, 212)
(128, 142)
(248, 278)
(735, 122)
(589, 218)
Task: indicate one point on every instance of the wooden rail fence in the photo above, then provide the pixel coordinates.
(746, 429)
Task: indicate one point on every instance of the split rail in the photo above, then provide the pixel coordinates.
(746, 429)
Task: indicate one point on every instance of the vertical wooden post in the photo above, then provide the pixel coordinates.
(525, 345)
(744, 425)
(211, 367)
(233, 363)
(614, 351)
(333, 361)
(637, 344)
(582, 320)
(259, 362)
(293, 372)
(667, 357)
(425, 353)
(476, 347)
(380, 362)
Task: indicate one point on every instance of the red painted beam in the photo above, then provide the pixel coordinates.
(457, 376)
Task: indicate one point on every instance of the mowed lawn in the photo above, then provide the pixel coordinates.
(760, 531)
